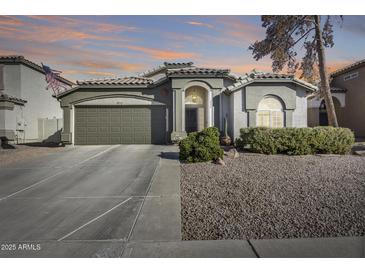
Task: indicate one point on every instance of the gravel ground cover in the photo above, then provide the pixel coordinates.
(22, 152)
(276, 196)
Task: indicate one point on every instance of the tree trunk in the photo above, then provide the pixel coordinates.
(325, 85)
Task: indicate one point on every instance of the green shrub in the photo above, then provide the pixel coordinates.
(201, 146)
(330, 140)
(296, 141)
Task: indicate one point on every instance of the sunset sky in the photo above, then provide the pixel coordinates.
(85, 47)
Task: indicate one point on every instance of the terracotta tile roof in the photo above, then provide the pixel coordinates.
(8, 98)
(125, 81)
(348, 68)
(19, 59)
(177, 64)
(197, 71)
(266, 76)
(164, 67)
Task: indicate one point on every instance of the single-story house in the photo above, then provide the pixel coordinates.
(348, 94)
(165, 103)
(28, 111)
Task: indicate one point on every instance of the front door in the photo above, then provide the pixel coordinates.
(191, 120)
(323, 118)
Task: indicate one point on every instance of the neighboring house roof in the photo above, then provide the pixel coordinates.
(255, 77)
(348, 68)
(18, 59)
(125, 81)
(317, 95)
(8, 98)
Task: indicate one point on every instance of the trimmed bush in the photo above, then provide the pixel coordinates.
(201, 146)
(296, 141)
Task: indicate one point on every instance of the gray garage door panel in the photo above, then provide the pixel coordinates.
(99, 125)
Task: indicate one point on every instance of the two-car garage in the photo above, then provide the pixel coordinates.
(126, 110)
(117, 124)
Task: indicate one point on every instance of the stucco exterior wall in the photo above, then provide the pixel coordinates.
(9, 119)
(313, 117)
(2, 118)
(257, 91)
(12, 80)
(25, 83)
(300, 112)
(352, 115)
(239, 114)
(40, 103)
(227, 112)
(11, 85)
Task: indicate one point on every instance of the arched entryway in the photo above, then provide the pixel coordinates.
(323, 117)
(196, 109)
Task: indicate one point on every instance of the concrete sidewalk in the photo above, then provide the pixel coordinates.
(341, 247)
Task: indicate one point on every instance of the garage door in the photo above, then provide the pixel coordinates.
(101, 125)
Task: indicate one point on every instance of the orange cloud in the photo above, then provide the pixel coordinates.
(228, 31)
(200, 24)
(95, 26)
(162, 54)
(335, 65)
(88, 72)
(107, 64)
(56, 30)
(240, 69)
(7, 52)
(10, 21)
(235, 28)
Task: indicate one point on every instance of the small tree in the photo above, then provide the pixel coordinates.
(283, 33)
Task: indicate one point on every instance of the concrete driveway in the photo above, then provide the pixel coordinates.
(86, 201)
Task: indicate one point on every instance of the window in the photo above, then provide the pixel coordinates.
(351, 76)
(270, 113)
(194, 96)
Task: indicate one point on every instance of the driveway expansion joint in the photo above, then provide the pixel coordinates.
(142, 203)
(94, 219)
(56, 174)
(253, 249)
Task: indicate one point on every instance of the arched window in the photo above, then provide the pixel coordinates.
(194, 96)
(270, 113)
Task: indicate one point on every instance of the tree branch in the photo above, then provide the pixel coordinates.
(304, 35)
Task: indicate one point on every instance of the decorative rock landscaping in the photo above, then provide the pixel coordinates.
(258, 196)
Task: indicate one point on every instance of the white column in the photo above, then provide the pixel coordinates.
(173, 110)
(209, 106)
(72, 124)
(183, 110)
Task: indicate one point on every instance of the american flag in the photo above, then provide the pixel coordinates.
(52, 81)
